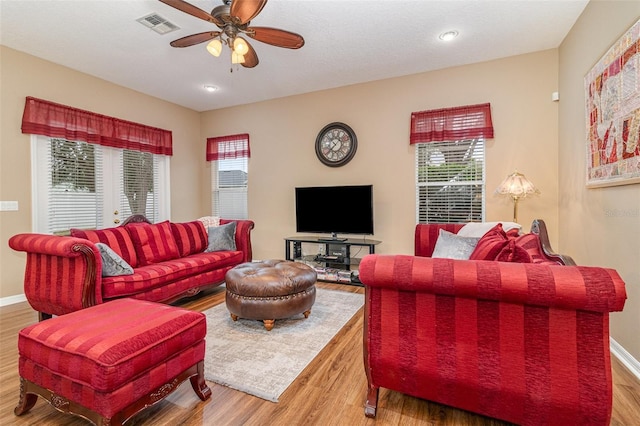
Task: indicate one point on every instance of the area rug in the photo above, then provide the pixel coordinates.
(243, 355)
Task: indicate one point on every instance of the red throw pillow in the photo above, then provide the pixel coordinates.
(118, 240)
(513, 252)
(154, 243)
(191, 237)
(491, 244)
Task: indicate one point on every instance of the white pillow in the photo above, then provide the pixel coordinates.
(452, 246)
(478, 229)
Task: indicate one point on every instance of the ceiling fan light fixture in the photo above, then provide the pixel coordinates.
(215, 47)
(240, 46)
(237, 58)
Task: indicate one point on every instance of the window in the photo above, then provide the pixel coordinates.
(450, 181)
(93, 171)
(229, 157)
(82, 185)
(450, 163)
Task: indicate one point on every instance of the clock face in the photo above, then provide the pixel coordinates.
(336, 144)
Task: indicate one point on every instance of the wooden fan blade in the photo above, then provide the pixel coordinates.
(276, 37)
(246, 10)
(185, 7)
(250, 58)
(192, 39)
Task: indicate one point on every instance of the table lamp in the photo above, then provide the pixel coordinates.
(516, 186)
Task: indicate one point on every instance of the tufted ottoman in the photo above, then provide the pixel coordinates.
(108, 362)
(270, 290)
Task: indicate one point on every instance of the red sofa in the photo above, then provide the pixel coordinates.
(523, 342)
(64, 274)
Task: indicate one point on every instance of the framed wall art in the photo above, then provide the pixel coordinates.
(612, 94)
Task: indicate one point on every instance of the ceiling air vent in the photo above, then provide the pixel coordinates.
(158, 24)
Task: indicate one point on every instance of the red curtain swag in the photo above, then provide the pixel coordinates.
(228, 147)
(46, 118)
(452, 124)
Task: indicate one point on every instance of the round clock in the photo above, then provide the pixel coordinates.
(336, 144)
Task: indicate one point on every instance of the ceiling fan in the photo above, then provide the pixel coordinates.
(233, 18)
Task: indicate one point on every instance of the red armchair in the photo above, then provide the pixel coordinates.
(526, 343)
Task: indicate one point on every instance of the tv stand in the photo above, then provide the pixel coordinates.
(333, 254)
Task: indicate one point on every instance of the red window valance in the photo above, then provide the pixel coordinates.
(46, 118)
(228, 147)
(452, 124)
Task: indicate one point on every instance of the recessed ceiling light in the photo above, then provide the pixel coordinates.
(448, 36)
(210, 88)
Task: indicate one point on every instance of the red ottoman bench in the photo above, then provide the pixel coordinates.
(110, 361)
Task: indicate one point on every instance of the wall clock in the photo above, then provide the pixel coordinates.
(336, 144)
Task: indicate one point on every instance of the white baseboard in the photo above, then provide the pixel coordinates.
(625, 358)
(12, 300)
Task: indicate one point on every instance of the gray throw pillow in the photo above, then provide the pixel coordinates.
(112, 264)
(222, 237)
(452, 246)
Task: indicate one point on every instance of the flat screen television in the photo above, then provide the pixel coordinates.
(335, 210)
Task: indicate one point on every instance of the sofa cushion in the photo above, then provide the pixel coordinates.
(112, 264)
(118, 239)
(153, 242)
(222, 237)
(452, 246)
(491, 244)
(149, 277)
(191, 237)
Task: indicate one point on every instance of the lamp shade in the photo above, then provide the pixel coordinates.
(240, 46)
(516, 185)
(215, 47)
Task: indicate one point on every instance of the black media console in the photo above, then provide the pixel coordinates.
(334, 257)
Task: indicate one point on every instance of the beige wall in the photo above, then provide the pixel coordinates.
(24, 75)
(598, 226)
(283, 133)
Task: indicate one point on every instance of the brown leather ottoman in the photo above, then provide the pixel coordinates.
(270, 290)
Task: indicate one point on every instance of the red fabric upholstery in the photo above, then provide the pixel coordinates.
(108, 356)
(491, 244)
(427, 235)
(64, 274)
(526, 343)
(118, 239)
(153, 242)
(146, 278)
(191, 237)
(60, 274)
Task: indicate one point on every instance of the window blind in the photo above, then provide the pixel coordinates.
(450, 181)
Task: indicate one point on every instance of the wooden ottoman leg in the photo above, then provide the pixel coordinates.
(307, 313)
(234, 317)
(26, 401)
(268, 324)
(199, 385)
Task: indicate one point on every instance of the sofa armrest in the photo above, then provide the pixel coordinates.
(62, 274)
(564, 287)
(243, 237)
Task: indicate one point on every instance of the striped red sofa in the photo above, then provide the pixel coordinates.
(523, 342)
(64, 273)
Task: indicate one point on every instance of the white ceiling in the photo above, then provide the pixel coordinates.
(346, 42)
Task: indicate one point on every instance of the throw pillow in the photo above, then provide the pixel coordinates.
(452, 246)
(478, 229)
(513, 252)
(191, 237)
(222, 237)
(112, 264)
(154, 243)
(491, 244)
(209, 221)
(118, 240)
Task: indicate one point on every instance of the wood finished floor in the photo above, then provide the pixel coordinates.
(330, 391)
